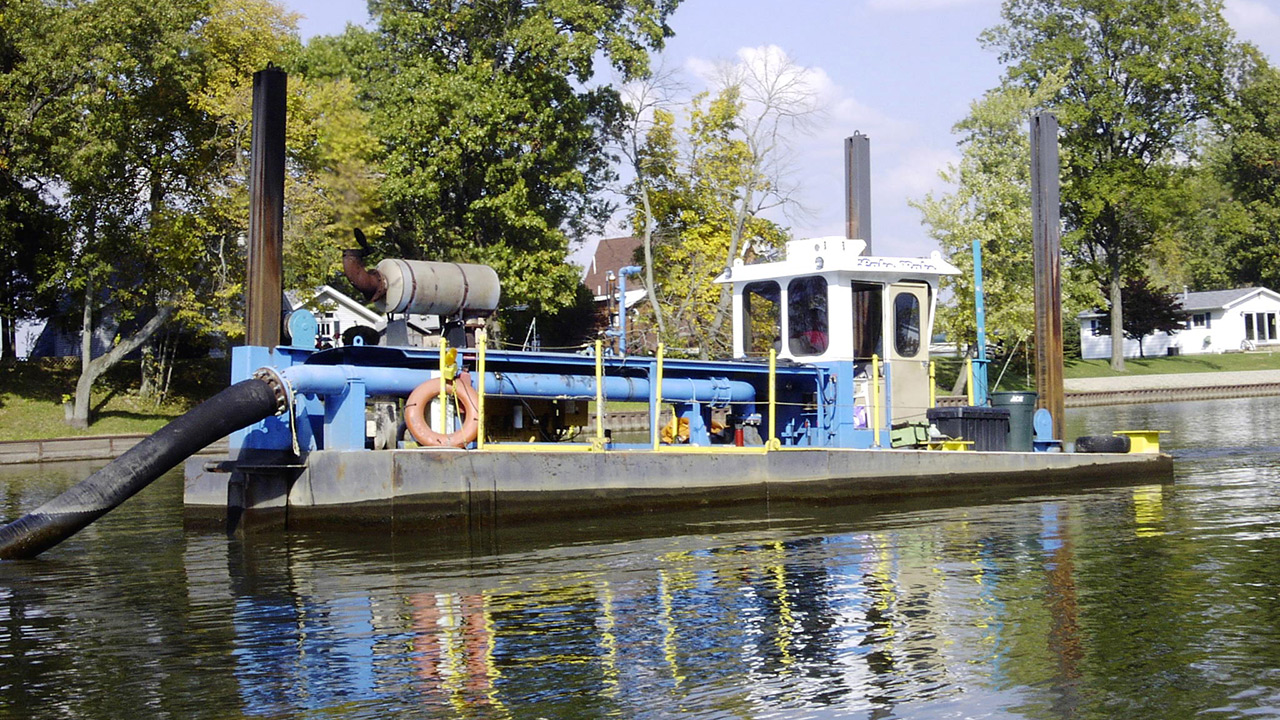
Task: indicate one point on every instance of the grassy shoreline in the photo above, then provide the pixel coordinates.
(31, 394)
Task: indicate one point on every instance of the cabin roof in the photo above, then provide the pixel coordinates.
(836, 254)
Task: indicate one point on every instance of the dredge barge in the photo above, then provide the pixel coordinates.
(831, 371)
(826, 399)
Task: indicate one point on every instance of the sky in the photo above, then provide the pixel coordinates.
(902, 72)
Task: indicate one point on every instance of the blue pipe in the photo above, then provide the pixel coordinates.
(717, 392)
(622, 305)
(980, 320)
(333, 380)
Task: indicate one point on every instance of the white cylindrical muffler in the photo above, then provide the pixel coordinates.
(437, 288)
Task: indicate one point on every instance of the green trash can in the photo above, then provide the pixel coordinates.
(1022, 408)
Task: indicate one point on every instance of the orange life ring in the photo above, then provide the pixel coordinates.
(415, 413)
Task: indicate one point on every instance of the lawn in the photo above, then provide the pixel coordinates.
(1227, 362)
(31, 397)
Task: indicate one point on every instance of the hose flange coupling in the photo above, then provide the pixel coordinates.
(278, 386)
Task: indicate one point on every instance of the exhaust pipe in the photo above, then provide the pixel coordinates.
(240, 405)
(370, 283)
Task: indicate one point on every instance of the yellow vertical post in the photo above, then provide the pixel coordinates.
(968, 368)
(773, 398)
(875, 398)
(442, 398)
(657, 408)
(933, 384)
(600, 392)
(482, 339)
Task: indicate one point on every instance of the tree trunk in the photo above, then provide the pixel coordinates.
(8, 337)
(80, 409)
(1117, 322)
(91, 370)
(726, 290)
(962, 379)
(648, 263)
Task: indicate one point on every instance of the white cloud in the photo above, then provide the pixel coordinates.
(904, 165)
(917, 172)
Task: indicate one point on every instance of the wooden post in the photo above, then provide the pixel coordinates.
(1046, 238)
(264, 282)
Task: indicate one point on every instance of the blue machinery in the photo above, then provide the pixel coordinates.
(831, 345)
(329, 391)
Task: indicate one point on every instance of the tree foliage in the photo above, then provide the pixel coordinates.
(1151, 309)
(710, 188)
(991, 203)
(493, 132)
(1237, 203)
(1139, 77)
(124, 115)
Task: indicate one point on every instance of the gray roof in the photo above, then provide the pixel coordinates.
(1214, 299)
(1200, 301)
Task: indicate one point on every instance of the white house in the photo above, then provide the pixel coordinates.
(335, 313)
(1217, 321)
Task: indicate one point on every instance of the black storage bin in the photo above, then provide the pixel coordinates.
(987, 428)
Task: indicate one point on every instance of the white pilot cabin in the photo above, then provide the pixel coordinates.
(828, 304)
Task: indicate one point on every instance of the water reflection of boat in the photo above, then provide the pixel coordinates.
(829, 356)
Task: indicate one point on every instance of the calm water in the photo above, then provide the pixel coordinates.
(1120, 602)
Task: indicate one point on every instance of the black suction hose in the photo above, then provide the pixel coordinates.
(242, 404)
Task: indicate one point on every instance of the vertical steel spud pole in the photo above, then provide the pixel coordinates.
(857, 183)
(265, 277)
(1046, 238)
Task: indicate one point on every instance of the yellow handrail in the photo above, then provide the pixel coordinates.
(875, 398)
(600, 392)
(968, 368)
(443, 397)
(482, 338)
(773, 398)
(933, 386)
(657, 406)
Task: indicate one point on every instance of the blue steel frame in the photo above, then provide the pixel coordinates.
(331, 388)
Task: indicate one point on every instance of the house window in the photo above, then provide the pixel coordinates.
(761, 318)
(1260, 327)
(1198, 321)
(807, 316)
(328, 328)
(1099, 327)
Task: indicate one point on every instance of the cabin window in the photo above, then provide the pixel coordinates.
(867, 322)
(906, 325)
(807, 316)
(761, 318)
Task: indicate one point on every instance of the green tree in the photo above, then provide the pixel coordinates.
(117, 105)
(1151, 310)
(1139, 76)
(1239, 198)
(713, 187)
(991, 203)
(703, 221)
(494, 133)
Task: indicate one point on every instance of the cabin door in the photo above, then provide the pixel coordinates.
(908, 350)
